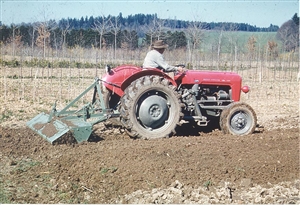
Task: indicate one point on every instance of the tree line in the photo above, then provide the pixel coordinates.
(137, 20)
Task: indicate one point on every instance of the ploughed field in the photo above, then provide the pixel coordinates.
(112, 168)
(198, 165)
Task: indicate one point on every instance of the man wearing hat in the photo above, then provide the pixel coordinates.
(155, 59)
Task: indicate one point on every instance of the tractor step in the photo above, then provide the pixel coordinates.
(56, 128)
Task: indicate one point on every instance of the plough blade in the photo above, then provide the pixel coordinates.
(56, 128)
(79, 122)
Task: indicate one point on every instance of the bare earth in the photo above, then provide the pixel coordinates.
(195, 166)
(110, 168)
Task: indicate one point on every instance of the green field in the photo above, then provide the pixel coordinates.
(230, 39)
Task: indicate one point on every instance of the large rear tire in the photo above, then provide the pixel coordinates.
(238, 119)
(150, 108)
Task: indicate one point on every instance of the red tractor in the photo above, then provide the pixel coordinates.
(151, 103)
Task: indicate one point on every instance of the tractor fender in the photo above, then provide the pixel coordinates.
(146, 72)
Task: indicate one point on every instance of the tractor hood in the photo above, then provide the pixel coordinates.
(210, 77)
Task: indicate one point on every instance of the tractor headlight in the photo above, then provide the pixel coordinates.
(245, 89)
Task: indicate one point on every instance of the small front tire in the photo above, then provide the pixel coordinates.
(238, 119)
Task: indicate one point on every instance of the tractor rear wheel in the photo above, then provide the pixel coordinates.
(150, 108)
(238, 119)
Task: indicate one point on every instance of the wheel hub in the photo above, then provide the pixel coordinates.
(153, 111)
(239, 121)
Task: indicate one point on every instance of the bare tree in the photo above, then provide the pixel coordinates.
(129, 37)
(251, 46)
(272, 48)
(195, 35)
(288, 34)
(231, 35)
(14, 39)
(43, 39)
(65, 29)
(101, 26)
(160, 29)
(219, 47)
(32, 30)
(129, 41)
(155, 29)
(116, 26)
(261, 38)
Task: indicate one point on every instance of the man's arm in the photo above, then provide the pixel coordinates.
(164, 65)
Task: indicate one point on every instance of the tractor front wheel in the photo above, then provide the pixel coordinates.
(150, 108)
(238, 119)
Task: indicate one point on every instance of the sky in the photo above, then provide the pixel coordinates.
(260, 13)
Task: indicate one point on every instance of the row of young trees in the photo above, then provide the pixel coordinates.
(110, 32)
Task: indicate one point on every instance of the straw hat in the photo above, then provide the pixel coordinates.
(159, 44)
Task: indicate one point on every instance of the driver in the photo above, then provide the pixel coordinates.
(155, 58)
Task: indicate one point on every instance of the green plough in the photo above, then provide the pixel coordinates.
(79, 122)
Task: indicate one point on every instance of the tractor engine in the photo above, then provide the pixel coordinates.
(205, 100)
